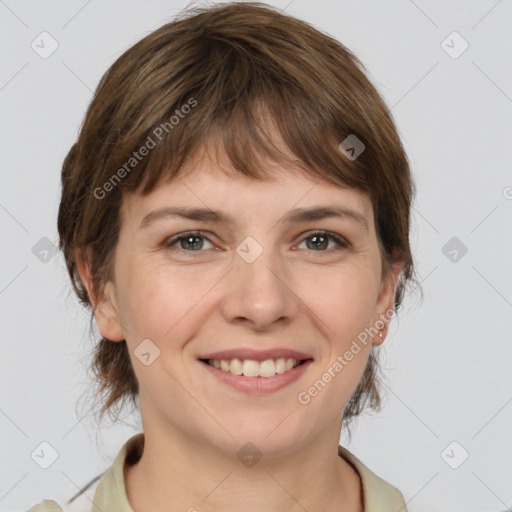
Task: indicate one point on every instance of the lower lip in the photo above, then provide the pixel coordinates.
(259, 385)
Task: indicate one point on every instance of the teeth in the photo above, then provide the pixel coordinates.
(252, 368)
(280, 365)
(236, 367)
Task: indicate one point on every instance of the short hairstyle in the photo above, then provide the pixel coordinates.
(235, 75)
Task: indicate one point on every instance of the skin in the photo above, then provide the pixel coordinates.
(293, 295)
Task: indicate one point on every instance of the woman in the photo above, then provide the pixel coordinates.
(235, 211)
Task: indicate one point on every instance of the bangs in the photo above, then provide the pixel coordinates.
(251, 109)
(256, 140)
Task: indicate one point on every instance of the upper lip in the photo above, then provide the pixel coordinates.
(257, 355)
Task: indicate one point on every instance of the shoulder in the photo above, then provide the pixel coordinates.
(104, 490)
(81, 503)
(46, 506)
(379, 495)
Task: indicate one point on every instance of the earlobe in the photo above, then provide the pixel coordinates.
(108, 321)
(104, 306)
(385, 302)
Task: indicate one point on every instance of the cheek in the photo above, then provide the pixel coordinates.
(158, 303)
(157, 306)
(344, 301)
(345, 308)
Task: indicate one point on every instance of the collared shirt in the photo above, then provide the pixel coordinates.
(110, 491)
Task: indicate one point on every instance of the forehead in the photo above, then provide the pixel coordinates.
(207, 184)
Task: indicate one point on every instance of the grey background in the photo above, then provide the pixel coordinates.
(447, 359)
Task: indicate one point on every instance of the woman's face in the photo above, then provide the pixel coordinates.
(259, 279)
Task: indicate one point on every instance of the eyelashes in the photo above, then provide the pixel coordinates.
(170, 243)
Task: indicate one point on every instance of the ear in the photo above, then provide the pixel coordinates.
(104, 307)
(386, 300)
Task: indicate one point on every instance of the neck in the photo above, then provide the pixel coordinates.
(176, 472)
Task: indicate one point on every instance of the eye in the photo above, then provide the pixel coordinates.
(193, 241)
(189, 242)
(320, 240)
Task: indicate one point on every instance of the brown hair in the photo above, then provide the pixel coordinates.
(228, 73)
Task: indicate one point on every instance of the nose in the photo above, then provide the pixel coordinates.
(259, 294)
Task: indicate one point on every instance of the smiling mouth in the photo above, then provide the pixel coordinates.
(252, 368)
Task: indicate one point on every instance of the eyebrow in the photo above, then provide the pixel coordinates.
(292, 217)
